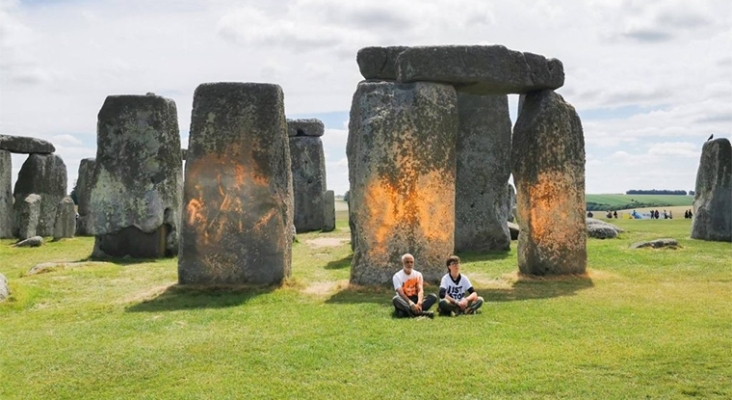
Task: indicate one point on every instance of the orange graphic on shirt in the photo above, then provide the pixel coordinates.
(411, 287)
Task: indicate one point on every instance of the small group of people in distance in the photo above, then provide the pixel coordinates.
(611, 215)
(666, 215)
(457, 295)
(688, 214)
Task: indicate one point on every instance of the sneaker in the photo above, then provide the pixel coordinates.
(428, 314)
(400, 314)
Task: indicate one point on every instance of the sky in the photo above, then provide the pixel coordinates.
(650, 80)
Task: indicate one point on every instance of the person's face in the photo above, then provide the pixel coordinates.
(408, 264)
(454, 268)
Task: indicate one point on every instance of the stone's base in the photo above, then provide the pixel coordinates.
(134, 243)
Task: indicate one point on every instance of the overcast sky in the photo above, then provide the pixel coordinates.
(650, 80)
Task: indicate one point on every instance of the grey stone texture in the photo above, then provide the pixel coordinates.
(35, 241)
(483, 148)
(401, 159)
(138, 179)
(713, 193)
(514, 229)
(308, 179)
(4, 293)
(379, 62)
(601, 230)
(44, 175)
(25, 145)
(657, 244)
(480, 69)
(305, 127)
(27, 214)
(6, 195)
(238, 202)
(65, 225)
(511, 202)
(83, 196)
(329, 217)
(548, 165)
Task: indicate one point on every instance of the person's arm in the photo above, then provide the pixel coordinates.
(420, 293)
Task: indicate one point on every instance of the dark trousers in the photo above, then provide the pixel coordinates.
(446, 308)
(401, 305)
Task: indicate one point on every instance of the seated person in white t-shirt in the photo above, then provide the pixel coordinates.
(409, 285)
(457, 295)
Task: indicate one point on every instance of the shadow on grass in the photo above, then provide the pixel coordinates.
(121, 260)
(531, 288)
(344, 262)
(177, 297)
(525, 288)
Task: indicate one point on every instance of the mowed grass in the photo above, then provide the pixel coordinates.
(623, 199)
(642, 324)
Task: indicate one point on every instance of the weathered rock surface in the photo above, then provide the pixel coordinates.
(713, 193)
(305, 127)
(138, 181)
(329, 218)
(657, 244)
(44, 175)
(35, 241)
(65, 225)
(514, 229)
(238, 201)
(379, 62)
(511, 193)
(548, 158)
(601, 230)
(83, 196)
(4, 292)
(6, 195)
(27, 214)
(25, 145)
(43, 268)
(401, 159)
(483, 151)
(308, 173)
(480, 69)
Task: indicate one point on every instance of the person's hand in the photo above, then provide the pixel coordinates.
(463, 304)
(418, 308)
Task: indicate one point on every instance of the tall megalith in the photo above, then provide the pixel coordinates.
(401, 160)
(83, 196)
(548, 164)
(44, 175)
(27, 214)
(65, 225)
(238, 213)
(6, 195)
(713, 193)
(135, 195)
(483, 150)
(308, 172)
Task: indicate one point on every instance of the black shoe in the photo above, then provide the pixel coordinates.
(400, 314)
(428, 314)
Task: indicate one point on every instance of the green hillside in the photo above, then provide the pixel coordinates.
(625, 201)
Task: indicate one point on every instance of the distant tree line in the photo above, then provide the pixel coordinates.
(654, 191)
(592, 206)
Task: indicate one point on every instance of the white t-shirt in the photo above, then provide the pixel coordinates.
(410, 283)
(456, 290)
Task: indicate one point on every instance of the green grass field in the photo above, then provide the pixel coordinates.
(645, 323)
(630, 201)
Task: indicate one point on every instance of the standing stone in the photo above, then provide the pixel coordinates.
(83, 196)
(135, 195)
(237, 222)
(401, 160)
(548, 162)
(308, 172)
(483, 152)
(511, 202)
(6, 195)
(28, 213)
(44, 175)
(65, 226)
(713, 193)
(329, 218)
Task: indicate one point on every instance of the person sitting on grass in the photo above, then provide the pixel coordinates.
(409, 285)
(457, 295)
